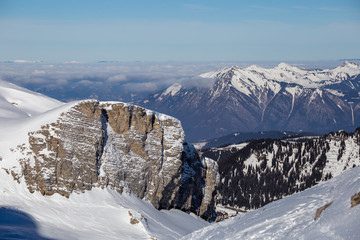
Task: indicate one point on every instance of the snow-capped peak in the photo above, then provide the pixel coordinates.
(345, 70)
(254, 68)
(288, 74)
(283, 65)
(222, 72)
(350, 64)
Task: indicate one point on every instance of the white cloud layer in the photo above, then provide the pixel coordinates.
(114, 80)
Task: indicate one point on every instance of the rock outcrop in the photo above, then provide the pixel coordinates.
(355, 199)
(320, 210)
(115, 145)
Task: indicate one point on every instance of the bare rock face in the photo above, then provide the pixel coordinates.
(355, 199)
(114, 145)
(212, 179)
(199, 179)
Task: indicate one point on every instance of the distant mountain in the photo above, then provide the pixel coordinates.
(82, 169)
(257, 99)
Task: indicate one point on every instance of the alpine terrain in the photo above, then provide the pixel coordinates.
(255, 99)
(92, 170)
(329, 210)
(108, 170)
(255, 173)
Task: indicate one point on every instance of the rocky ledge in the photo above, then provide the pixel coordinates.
(120, 146)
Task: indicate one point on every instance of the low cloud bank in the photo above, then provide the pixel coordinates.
(124, 81)
(106, 81)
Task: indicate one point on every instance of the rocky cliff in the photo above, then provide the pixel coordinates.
(120, 146)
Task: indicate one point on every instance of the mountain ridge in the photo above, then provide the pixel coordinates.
(118, 163)
(283, 98)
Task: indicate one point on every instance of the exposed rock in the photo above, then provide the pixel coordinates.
(320, 210)
(199, 178)
(212, 179)
(137, 218)
(355, 199)
(114, 145)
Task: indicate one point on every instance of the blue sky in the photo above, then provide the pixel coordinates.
(179, 30)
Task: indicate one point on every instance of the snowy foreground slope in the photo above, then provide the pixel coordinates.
(293, 216)
(99, 213)
(95, 214)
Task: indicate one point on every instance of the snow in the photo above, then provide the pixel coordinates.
(17, 102)
(314, 95)
(350, 157)
(293, 91)
(293, 216)
(229, 210)
(244, 79)
(200, 145)
(96, 214)
(336, 92)
(172, 90)
(106, 214)
(238, 146)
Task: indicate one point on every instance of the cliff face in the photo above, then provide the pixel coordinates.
(114, 145)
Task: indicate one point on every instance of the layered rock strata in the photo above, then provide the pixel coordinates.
(115, 145)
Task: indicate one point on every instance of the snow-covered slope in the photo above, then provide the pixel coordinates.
(293, 216)
(258, 76)
(49, 150)
(95, 214)
(18, 102)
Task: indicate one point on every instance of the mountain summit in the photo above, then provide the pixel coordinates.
(254, 99)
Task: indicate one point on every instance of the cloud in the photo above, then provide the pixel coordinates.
(142, 87)
(38, 72)
(109, 80)
(61, 81)
(117, 78)
(85, 82)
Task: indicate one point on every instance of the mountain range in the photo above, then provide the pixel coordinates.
(258, 99)
(89, 169)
